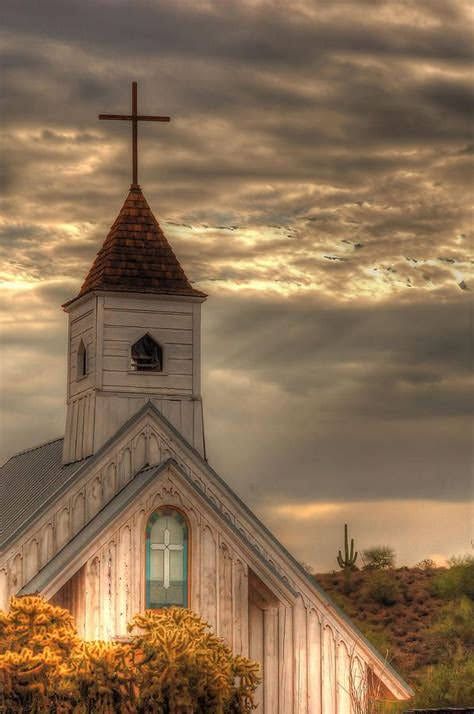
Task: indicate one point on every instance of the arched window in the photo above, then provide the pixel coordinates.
(147, 355)
(166, 559)
(81, 360)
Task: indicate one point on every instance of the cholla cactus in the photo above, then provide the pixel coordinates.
(173, 664)
(103, 678)
(34, 623)
(181, 663)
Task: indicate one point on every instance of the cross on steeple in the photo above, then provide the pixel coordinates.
(134, 117)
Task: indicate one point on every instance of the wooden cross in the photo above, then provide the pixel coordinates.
(166, 547)
(134, 117)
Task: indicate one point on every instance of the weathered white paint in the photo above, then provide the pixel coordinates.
(125, 468)
(209, 576)
(240, 607)
(286, 659)
(99, 403)
(92, 619)
(256, 647)
(47, 543)
(329, 672)
(342, 679)
(62, 527)
(4, 590)
(225, 594)
(31, 559)
(109, 482)
(78, 512)
(270, 659)
(300, 655)
(314, 663)
(124, 581)
(154, 455)
(94, 497)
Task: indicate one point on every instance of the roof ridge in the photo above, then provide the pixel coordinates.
(34, 448)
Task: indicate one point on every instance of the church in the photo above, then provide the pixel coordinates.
(125, 512)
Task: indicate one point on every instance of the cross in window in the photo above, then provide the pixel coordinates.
(167, 547)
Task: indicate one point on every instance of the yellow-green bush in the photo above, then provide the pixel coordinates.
(181, 664)
(173, 664)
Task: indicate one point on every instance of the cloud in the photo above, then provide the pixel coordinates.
(316, 538)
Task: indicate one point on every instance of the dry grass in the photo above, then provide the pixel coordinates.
(400, 631)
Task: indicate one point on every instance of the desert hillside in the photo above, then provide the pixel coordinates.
(421, 619)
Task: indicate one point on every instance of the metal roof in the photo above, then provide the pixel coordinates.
(28, 482)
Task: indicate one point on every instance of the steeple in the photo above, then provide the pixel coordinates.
(134, 331)
(136, 257)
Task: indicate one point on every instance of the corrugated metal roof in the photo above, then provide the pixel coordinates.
(28, 481)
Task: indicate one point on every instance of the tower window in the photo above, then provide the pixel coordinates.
(166, 559)
(81, 360)
(147, 355)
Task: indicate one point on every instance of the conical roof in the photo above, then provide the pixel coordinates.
(136, 257)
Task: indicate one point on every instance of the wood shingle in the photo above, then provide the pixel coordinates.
(136, 256)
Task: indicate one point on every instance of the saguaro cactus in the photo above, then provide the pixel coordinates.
(347, 563)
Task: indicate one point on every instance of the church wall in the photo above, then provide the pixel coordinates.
(169, 322)
(114, 574)
(78, 505)
(111, 392)
(301, 635)
(82, 321)
(175, 391)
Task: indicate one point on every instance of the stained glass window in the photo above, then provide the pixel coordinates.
(166, 559)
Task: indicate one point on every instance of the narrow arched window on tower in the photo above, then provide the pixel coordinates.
(81, 360)
(147, 355)
(166, 559)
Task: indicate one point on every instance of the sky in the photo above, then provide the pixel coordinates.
(315, 180)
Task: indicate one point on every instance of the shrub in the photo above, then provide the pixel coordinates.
(450, 684)
(454, 629)
(426, 564)
(181, 663)
(173, 662)
(379, 639)
(384, 589)
(379, 557)
(457, 581)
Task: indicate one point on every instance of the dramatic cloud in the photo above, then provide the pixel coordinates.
(315, 180)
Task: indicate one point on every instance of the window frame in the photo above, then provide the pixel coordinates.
(187, 562)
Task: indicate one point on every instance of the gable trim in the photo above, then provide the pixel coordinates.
(46, 577)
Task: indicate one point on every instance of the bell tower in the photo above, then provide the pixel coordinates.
(134, 329)
(134, 336)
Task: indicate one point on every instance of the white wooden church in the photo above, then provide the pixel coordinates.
(125, 512)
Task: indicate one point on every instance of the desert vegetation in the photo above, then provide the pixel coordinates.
(421, 619)
(171, 664)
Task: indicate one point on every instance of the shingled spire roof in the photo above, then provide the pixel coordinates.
(136, 257)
